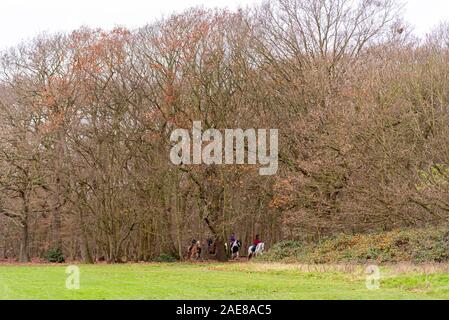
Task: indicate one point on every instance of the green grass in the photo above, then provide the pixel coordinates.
(214, 281)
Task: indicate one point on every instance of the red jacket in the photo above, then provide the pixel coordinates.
(256, 242)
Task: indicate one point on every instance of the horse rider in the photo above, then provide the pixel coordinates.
(232, 239)
(256, 242)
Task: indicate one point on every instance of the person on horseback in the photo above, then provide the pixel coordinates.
(255, 243)
(232, 238)
(254, 249)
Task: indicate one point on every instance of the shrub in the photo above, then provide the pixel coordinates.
(165, 258)
(55, 256)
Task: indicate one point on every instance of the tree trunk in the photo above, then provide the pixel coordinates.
(59, 163)
(24, 255)
(86, 256)
(220, 252)
(56, 230)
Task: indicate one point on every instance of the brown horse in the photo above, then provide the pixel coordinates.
(194, 250)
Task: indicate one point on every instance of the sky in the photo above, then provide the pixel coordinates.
(22, 19)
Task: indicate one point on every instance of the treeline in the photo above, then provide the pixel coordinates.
(85, 121)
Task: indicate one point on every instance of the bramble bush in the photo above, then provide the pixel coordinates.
(414, 245)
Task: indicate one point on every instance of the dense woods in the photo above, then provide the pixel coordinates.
(361, 104)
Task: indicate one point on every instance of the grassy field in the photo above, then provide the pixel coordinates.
(220, 281)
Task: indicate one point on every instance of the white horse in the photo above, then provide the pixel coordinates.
(259, 250)
(235, 247)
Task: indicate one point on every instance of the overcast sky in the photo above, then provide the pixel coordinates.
(22, 19)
